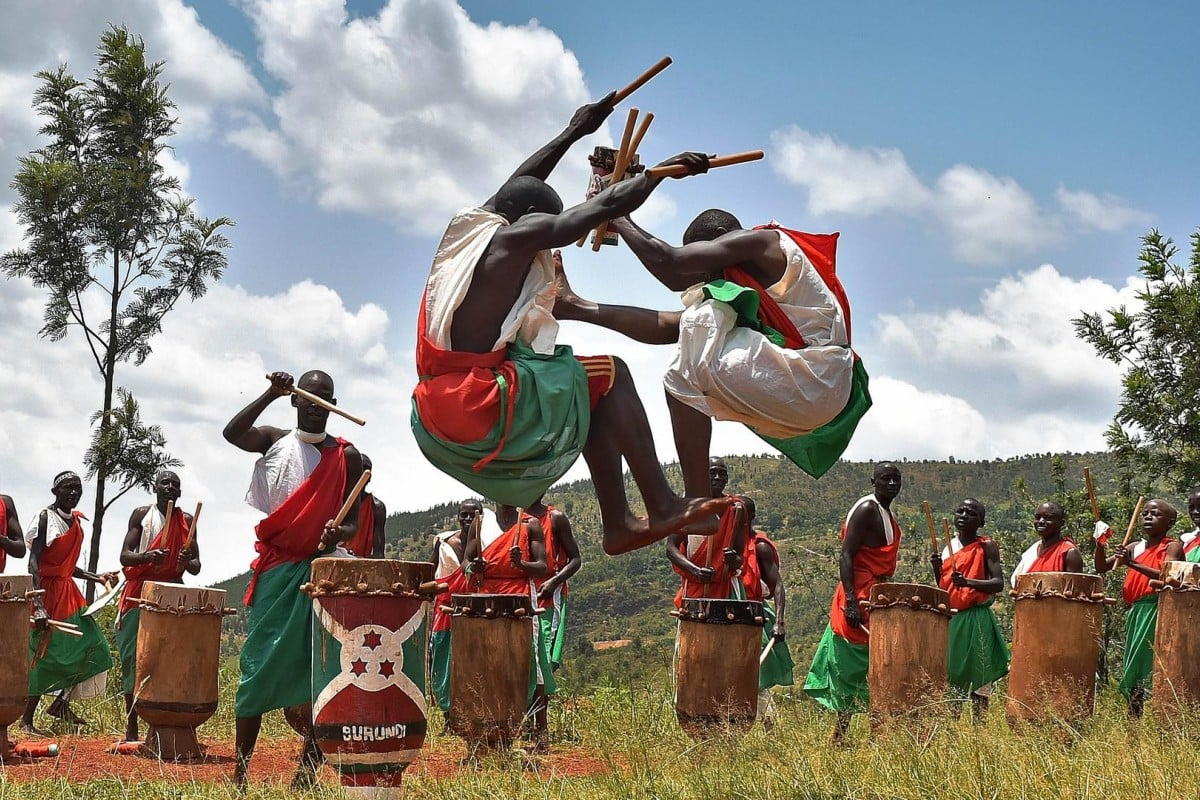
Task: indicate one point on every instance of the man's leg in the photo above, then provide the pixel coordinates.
(693, 434)
(245, 736)
(311, 757)
(639, 324)
(131, 724)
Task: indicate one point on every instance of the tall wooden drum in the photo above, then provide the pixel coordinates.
(1057, 622)
(178, 656)
(14, 652)
(1176, 687)
(368, 676)
(716, 668)
(491, 647)
(909, 644)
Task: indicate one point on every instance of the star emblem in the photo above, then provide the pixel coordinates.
(387, 668)
(372, 639)
(358, 667)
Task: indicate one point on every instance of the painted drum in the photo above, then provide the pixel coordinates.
(716, 668)
(368, 675)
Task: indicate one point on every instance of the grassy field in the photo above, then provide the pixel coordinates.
(636, 750)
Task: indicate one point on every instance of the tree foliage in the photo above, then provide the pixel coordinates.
(112, 238)
(1155, 433)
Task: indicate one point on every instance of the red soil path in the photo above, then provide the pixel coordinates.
(83, 758)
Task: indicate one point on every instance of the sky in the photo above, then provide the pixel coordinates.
(990, 169)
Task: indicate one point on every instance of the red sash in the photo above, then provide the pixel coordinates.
(972, 563)
(721, 586)
(56, 568)
(1187, 548)
(751, 570)
(500, 576)
(1137, 585)
(870, 565)
(292, 532)
(556, 559)
(1052, 560)
(458, 584)
(172, 538)
(363, 543)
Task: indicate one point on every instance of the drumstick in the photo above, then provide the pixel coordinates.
(766, 651)
(1091, 490)
(358, 487)
(167, 516)
(325, 404)
(1133, 521)
(677, 170)
(191, 540)
(641, 80)
(946, 530)
(622, 160)
(932, 531)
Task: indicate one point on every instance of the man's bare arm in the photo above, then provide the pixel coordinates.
(241, 431)
(378, 537)
(677, 268)
(12, 539)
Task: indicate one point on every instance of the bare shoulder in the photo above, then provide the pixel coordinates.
(991, 548)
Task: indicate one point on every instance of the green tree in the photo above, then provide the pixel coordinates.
(1155, 433)
(113, 239)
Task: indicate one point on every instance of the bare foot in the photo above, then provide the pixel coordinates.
(699, 516)
(567, 304)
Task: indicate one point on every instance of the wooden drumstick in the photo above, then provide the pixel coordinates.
(946, 530)
(677, 170)
(622, 160)
(766, 651)
(191, 540)
(1091, 490)
(346, 506)
(641, 80)
(932, 530)
(167, 516)
(1137, 510)
(325, 404)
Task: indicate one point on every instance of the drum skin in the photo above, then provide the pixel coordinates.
(1176, 687)
(716, 668)
(368, 680)
(909, 642)
(178, 657)
(491, 640)
(1055, 646)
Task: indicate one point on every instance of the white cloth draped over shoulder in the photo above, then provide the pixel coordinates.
(530, 320)
(152, 523)
(280, 471)
(1025, 562)
(886, 518)
(735, 373)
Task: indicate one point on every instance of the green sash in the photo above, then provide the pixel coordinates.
(837, 678)
(60, 661)
(276, 658)
(978, 654)
(777, 670)
(127, 632)
(1140, 623)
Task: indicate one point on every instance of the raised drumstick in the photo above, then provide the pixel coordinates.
(946, 530)
(1137, 510)
(346, 506)
(641, 80)
(325, 404)
(677, 170)
(1091, 490)
(624, 158)
(191, 540)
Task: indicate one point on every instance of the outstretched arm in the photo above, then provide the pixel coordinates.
(586, 120)
(677, 268)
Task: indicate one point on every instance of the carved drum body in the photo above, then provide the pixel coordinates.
(491, 641)
(1176, 687)
(368, 678)
(1057, 623)
(909, 642)
(178, 657)
(14, 651)
(716, 668)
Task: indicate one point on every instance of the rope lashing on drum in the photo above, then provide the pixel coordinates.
(1173, 585)
(916, 602)
(326, 588)
(491, 613)
(1068, 592)
(181, 610)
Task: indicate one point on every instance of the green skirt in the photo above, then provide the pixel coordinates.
(60, 661)
(777, 670)
(554, 629)
(1140, 623)
(837, 678)
(127, 632)
(276, 658)
(978, 654)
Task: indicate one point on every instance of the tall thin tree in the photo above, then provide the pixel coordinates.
(113, 239)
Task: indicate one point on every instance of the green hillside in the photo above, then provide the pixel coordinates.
(628, 597)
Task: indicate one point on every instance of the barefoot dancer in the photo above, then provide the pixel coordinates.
(300, 483)
(499, 405)
(764, 340)
(155, 549)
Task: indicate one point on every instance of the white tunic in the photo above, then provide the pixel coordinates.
(886, 518)
(735, 373)
(278, 473)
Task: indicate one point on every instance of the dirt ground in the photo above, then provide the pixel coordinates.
(83, 758)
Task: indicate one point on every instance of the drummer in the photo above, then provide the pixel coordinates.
(1144, 560)
(1053, 551)
(372, 516)
(12, 541)
(448, 551)
(300, 482)
(155, 549)
(1191, 540)
(762, 580)
(688, 553)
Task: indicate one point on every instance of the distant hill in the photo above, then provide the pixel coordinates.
(628, 597)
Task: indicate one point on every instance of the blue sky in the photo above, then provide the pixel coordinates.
(990, 168)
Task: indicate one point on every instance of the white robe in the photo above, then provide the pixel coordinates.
(735, 373)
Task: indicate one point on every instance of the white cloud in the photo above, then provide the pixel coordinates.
(986, 219)
(416, 111)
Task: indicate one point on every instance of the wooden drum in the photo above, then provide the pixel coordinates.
(909, 643)
(178, 655)
(14, 652)
(368, 676)
(491, 647)
(1176, 687)
(716, 668)
(1057, 622)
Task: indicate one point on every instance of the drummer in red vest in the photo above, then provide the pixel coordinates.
(155, 549)
(1053, 551)
(695, 558)
(12, 541)
(300, 482)
(764, 338)
(1191, 540)
(1144, 560)
(563, 561)
(372, 516)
